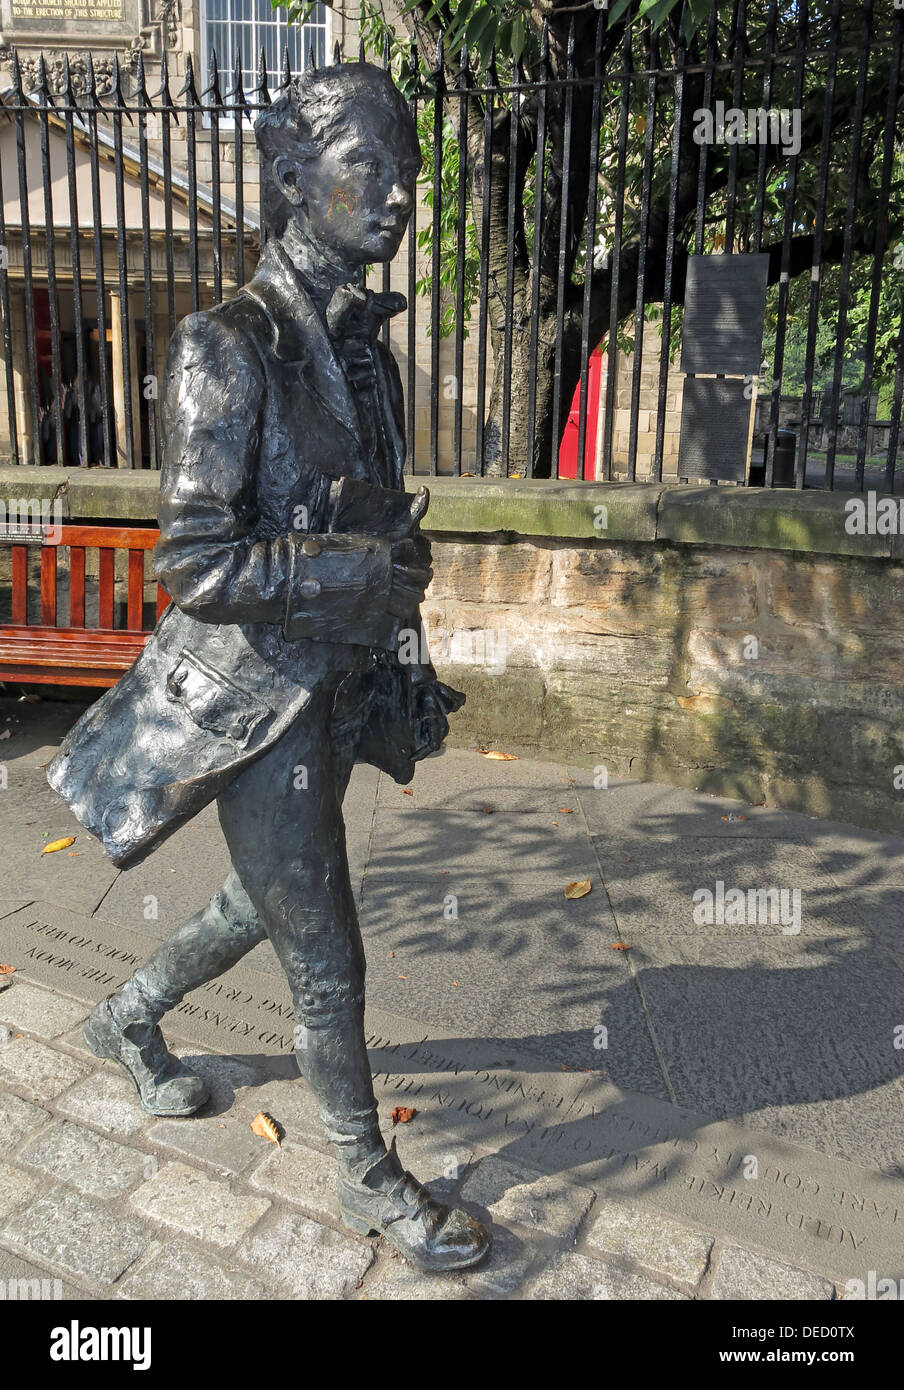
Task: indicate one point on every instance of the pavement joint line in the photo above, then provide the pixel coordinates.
(632, 971)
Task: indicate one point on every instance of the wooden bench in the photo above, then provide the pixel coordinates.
(44, 653)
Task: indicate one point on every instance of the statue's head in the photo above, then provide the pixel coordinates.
(340, 158)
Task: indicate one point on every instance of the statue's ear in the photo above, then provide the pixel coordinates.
(288, 177)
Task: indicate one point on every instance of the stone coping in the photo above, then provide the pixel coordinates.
(810, 522)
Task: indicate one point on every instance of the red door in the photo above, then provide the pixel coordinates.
(568, 449)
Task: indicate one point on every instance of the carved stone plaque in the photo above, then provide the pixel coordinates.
(68, 9)
(54, 22)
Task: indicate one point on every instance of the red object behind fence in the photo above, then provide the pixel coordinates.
(568, 449)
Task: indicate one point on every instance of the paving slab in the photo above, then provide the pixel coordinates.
(180, 1197)
(35, 1011)
(73, 1234)
(18, 1119)
(460, 780)
(409, 843)
(301, 1175)
(571, 1277)
(506, 1268)
(650, 1240)
(514, 1194)
(225, 1144)
(24, 1282)
(658, 815)
(305, 1259)
(174, 883)
(503, 956)
(747, 1275)
(107, 1100)
(37, 1068)
(660, 888)
(183, 1272)
(89, 1161)
(398, 1282)
(18, 1187)
(745, 1026)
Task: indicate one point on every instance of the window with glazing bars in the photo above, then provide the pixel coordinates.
(252, 25)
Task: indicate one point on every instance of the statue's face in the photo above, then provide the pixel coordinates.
(358, 194)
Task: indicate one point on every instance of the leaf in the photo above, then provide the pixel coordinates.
(7, 970)
(579, 889)
(403, 1115)
(566, 811)
(617, 10)
(619, 946)
(479, 23)
(519, 37)
(264, 1126)
(497, 756)
(58, 844)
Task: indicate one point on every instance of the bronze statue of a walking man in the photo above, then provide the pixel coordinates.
(294, 561)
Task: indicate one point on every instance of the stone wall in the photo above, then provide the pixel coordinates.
(736, 640)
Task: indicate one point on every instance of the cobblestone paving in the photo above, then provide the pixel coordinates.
(117, 1204)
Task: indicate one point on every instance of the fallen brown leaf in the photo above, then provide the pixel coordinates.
(7, 970)
(58, 844)
(392, 955)
(619, 946)
(264, 1126)
(566, 811)
(401, 977)
(455, 984)
(579, 889)
(487, 810)
(403, 1115)
(408, 791)
(497, 756)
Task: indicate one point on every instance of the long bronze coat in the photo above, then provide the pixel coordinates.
(259, 420)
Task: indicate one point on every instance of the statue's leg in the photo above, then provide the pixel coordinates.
(125, 1026)
(287, 840)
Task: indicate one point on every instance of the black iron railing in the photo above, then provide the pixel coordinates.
(517, 285)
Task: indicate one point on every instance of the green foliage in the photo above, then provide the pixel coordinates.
(448, 224)
(512, 27)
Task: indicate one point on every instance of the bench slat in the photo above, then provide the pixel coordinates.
(48, 586)
(20, 583)
(105, 588)
(135, 593)
(77, 586)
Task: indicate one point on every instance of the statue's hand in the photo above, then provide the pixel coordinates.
(430, 703)
(411, 575)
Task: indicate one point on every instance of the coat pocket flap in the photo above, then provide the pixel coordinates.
(213, 701)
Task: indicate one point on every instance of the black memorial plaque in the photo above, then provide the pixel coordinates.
(715, 428)
(724, 310)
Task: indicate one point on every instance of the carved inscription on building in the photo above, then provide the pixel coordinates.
(103, 11)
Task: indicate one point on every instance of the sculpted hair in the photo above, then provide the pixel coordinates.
(304, 121)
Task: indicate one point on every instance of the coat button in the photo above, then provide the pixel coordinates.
(311, 547)
(309, 588)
